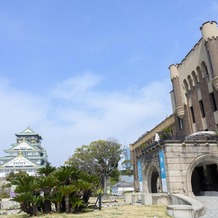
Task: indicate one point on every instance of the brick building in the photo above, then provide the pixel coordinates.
(178, 162)
(195, 85)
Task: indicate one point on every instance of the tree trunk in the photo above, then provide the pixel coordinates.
(67, 204)
(34, 210)
(58, 207)
(105, 184)
(47, 206)
(86, 196)
(47, 203)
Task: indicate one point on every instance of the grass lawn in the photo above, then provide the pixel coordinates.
(123, 211)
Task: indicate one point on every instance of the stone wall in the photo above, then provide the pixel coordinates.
(182, 157)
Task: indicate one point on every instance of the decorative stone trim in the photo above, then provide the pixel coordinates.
(180, 112)
(215, 82)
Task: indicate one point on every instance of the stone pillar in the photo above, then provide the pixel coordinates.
(176, 88)
(209, 32)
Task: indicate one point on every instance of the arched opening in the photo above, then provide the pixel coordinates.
(199, 73)
(154, 179)
(195, 78)
(186, 85)
(190, 81)
(204, 178)
(154, 186)
(204, 70)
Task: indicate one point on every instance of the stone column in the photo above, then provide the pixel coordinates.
(177, 92)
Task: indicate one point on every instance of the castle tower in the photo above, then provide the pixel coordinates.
(195, 85)
(26, 154)
(209, 32)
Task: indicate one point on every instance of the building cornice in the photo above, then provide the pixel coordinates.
(169, 121)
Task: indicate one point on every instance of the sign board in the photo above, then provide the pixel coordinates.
(162, 171)
(140, 176)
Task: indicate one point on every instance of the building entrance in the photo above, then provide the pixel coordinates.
(155, 182)
(204, 179)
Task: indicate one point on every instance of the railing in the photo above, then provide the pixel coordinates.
(182, 139)
(201, 137)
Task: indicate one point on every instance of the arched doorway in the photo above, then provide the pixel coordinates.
(204, 175)
(153, 179)
(204, 178)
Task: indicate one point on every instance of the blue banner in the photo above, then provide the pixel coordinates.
(163, 171)
(162, 165)
(140, 171)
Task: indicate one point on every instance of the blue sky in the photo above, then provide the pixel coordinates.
(76, 71)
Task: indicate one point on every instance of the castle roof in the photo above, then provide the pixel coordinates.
(28, 132)
(19, 161)
(24, 145)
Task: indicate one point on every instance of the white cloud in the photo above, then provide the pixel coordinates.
(76, 86)
(66, 123)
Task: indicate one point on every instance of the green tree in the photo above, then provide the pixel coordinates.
(76, 203)
(75, 187)
(27, 193)
(66, 174)
(26, 183)
(46, 185)
(24, 200)
(66, 192)
(114, 177)
(99, 158)
(46, 182)
(67, 186)
(57, 198)
(86, 184)
(166, 133)
(13, 177)
(47, 170)
(127, 165)
(34, 200)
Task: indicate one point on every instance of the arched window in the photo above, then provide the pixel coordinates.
(195, 78)
(204, 70)
(199, 73)
(186, 85)
(190, 81)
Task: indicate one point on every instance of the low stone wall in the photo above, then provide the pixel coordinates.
(180, 211)
(134, 197)
(9, 212)
(7, 204)
(148, 198)
(178, 205)
(179, 200)
(160, 199)
(184, 206)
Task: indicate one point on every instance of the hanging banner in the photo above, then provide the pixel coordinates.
(140, 176)
(163, 171)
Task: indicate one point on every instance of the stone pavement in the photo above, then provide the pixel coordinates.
(210, 206)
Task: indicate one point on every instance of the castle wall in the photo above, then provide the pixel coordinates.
(180, 160)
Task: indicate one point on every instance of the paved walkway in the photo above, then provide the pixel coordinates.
(210, 206)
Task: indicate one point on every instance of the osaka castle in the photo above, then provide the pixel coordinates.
(25, 155)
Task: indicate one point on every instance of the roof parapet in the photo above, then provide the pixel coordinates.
(209, 30)
(173, 71)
